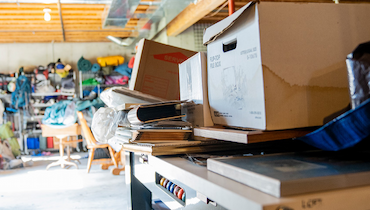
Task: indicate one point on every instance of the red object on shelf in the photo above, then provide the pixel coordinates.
(49, 142)
(131, 62)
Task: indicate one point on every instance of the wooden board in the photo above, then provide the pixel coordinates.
(19, 20)
(182, 147)
(246, 137)
(191, 15)
(24, 22)
(212, 11)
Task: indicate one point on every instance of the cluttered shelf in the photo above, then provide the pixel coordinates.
(110, 71)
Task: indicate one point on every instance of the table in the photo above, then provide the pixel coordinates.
(61, 133)
(201, 184)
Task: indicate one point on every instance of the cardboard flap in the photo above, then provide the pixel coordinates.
(217, 29)
(304, 53)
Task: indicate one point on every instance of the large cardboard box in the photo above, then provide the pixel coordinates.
(281, 65)
(156, 69)
(193, 86)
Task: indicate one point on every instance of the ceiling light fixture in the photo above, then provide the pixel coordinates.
(47, 16)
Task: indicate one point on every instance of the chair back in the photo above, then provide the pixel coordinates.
(90, 139)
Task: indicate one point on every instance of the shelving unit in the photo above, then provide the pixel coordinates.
(51, 94)
(23, 131)
(41, 105)
(5, 96)
(89, 74)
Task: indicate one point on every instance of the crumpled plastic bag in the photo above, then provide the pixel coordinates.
(358, 66)
(105, 123)
(70, 116)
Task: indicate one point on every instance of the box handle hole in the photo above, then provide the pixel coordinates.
(230, 45)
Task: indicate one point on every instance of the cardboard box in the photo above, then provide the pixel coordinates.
(193, 86)
(156, 70)
(281, 65)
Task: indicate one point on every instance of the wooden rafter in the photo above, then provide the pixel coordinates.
(61, 20)
(191, 14)
(24, 22)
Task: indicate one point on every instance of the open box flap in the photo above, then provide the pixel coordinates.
(217, 29)
(303, 47)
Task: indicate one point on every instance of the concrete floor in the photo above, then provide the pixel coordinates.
(34, 188)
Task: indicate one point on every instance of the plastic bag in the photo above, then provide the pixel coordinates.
(358, 66)
(6, 151)
(2, 109)
(344, 131)
(114, 99)
(7, 133)
(111, 98)
(105, 123)
(70, 116)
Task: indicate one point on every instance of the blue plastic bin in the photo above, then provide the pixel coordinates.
(33, 143)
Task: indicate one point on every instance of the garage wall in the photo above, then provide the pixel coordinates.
(15, 55)
(184, 40)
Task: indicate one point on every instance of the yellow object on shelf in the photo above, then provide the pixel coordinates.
(110, 60)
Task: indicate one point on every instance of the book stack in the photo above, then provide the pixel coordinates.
(155, 123)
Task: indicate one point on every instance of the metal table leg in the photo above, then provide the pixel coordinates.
(140, 196)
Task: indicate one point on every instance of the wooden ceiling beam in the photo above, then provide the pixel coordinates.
(190, 15)
(57, 29)
(26, 17)
(43, 22)
(61, 20)
(142, 7)
(53, 12)
(41, 5)
(98, 33)
(30, 34)
(24, 29)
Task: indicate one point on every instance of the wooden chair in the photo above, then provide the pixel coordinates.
(92, 144)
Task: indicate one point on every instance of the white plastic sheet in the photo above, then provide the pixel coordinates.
(105, 123)
(111, 98)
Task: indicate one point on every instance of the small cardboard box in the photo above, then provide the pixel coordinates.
(281, 65)
(156, 69)
(193, 86)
